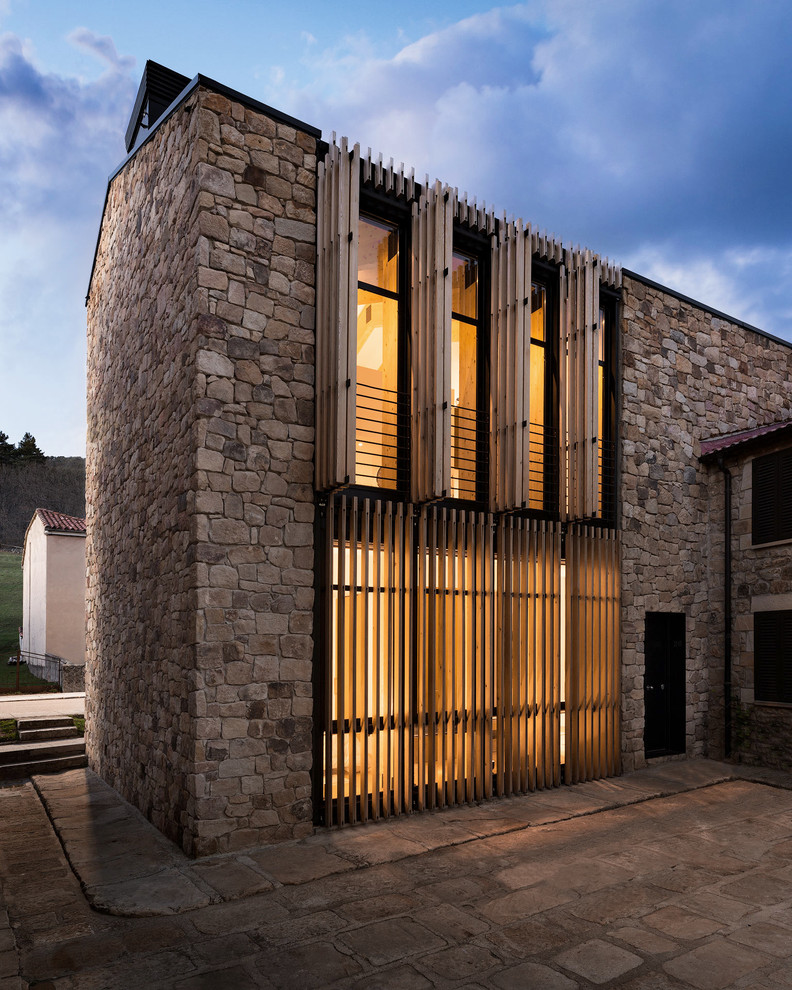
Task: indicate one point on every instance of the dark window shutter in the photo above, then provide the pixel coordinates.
(772, 497)
(773, 656)
(765, 488)
(784, 508)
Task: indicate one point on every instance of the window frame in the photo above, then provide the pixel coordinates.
(609, 303)
(779, 527)
(476, 245)
(782, 661)
(546, 275)
(381, 208)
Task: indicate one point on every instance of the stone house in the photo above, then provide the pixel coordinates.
(756, 488)
(392, 504)
(53, 597)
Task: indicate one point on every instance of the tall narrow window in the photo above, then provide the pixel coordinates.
(378, 406)
(538, 439)
(606, 415)
(466, 427)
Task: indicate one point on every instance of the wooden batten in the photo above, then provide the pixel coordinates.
(592, 654)
(510, 373)
(338, 194)
(476, 710)
(432, 251)
(386, 177)
(579, 385)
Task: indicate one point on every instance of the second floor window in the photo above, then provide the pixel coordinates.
(468, 439)
(379, 405)
(538, 441)
(772, 497)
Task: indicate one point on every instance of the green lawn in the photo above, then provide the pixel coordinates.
(10, 621)
(10, 603)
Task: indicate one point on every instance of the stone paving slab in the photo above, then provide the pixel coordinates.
(126, 867)
(590, 901)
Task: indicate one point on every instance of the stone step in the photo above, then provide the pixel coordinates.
(27, 752)
(36, 735)
(48, 722)
(16, 771)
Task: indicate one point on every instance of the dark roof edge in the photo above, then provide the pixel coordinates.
(743, 447)
(707, 309)
(221, 90)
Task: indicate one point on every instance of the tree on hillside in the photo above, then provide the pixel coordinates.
(27, 449)
(7, 449)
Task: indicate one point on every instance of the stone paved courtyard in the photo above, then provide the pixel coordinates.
(693, 889)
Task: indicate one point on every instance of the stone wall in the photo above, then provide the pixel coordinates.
(200, 452)
(253, 503)
(686, 375)
(139, 470)
(761, 581)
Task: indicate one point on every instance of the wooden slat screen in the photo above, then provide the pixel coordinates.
(432, 250)
(592, 674)
(387, 177)
(338, 198)
(510, 373)
(579, 386)
(368, 682)
(443, 680)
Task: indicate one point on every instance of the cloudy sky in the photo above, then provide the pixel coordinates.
(657, 132)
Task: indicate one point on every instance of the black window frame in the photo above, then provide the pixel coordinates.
(609, 304)
(771, 497)
(773, 657)
(476, 244)
(546, 275)
(380, 207)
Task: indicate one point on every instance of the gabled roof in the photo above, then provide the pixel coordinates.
(732, 444)
(59, 522)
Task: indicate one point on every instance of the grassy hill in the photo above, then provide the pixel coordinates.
(58, 483)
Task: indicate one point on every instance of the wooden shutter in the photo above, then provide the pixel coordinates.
(773, 656)
(432, 251)
(338, 198)
(510, 373)
(579, 385)
(771, 497)
(592, 680)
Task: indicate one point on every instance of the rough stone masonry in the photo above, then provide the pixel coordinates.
(200, 453)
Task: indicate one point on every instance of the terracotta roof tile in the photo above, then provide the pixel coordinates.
(731, 441)
(61, 523)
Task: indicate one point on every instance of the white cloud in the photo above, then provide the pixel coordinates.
(59, 139)
(103, 47)
(615, 123)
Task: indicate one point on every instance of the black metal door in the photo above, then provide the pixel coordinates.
(664, 684)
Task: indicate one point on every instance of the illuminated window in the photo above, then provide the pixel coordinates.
(606, 419)
(468, 438)
(538, 439)
(379, 412)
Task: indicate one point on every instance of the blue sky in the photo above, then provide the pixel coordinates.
(657, 132)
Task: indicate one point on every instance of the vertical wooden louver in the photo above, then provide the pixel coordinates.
(510, 373)
(592, 654)
(443, 679)
(432, 252)
(338, 198)
(579, 386)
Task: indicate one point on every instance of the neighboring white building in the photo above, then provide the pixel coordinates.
(53, 567)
